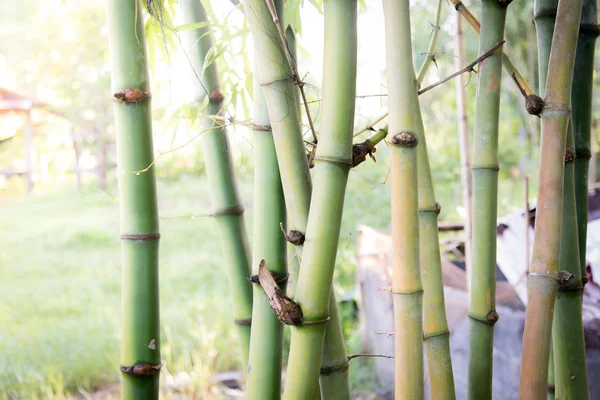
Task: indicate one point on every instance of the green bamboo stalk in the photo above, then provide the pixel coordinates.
(544, 276)
(551, 388)
(482, 295)
(280, 94)
(570, 368)
(266, 341)
(582, 117)
(219, 169)
(332, 165)
(533, 103)
(407, 289)
(140, 331)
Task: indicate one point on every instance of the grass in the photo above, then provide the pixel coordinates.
(60, 285)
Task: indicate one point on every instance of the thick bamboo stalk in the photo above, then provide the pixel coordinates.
(140, 332)
(544, 276)
(280, 94)
(407, 290)
(582, 117)
(533, 103)
(228, 210)
(463, 133)
(266, 341)
(482, 295)
(333, 160)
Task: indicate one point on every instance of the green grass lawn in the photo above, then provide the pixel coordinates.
(60, 283)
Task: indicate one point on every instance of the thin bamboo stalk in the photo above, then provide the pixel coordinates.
(482, 296)
(204, 81)
(582, 118)
(544, 276)
(280, 93)
(333, 160)
(463, 133)
(570, 368)
(533, 102)
(266, 341)
(407, 289)
(430, 56)
(140, 332)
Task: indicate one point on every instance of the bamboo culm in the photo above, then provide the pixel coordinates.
(333, 160)
(544, 276)
(140, 330)
(228, 209)
(266, 340)
(280, 95)
(485, 166)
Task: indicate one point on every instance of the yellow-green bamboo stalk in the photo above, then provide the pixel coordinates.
(532, 101)
(204, 81)
(482, 295)
(332, 164)
(140, 331)
(266, 341)
(544, 276)
(407, 290)
(280, 94)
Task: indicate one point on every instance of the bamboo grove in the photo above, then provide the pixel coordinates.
(300, 179)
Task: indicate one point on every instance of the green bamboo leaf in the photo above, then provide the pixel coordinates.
(187, 27)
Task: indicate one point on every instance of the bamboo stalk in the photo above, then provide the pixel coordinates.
(219, 169)
(582, 118)
(570, 368)
(544, 276)
(333, 160)
(140, 332)
(482, 295)
(279, 90)
(266, 341)
(463, 133)
(407, 289)
(533, 102)
(430, 56)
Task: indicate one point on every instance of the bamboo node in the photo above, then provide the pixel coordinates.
(534, 104)
(237, 210)
(583, 154)
(131, 95)
(246, 322)
(360, 151)
(279, 278)
(435, 209)
(332, 160)
(334, 368)
(140, 236)
(551, 388)
(491, 318)
(293, 237)
(141, 370)
(427, 336)
(216, 97)
(405, 139)
(310, 157)
(288, 312)
(569, 155)
(560, 277)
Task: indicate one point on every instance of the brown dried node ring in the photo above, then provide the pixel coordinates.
(131, 95)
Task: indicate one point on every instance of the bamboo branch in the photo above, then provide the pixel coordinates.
(430, 57)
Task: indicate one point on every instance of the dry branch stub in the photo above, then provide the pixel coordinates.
(405, 139)
(287, 311)
(534, 104)
(360, 151)
(141, 370)
(131, 95)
